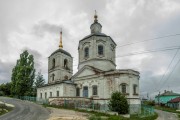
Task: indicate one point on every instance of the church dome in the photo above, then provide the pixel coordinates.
(97, 49)
(62, 51)
(96, 27)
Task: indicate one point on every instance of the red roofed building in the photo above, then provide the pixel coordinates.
(174, 103)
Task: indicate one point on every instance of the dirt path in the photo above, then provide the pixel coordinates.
(162, 115)
(63, 114)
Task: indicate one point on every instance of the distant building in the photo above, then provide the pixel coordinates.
(174, 103)
(97, 77)
(165, 97)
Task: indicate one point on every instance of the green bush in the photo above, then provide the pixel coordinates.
(118, 103)
(93, 117)
(114, 118)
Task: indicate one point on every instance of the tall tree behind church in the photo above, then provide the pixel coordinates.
(23, 75)
(40, 81)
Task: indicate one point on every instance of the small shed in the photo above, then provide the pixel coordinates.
(174, 103)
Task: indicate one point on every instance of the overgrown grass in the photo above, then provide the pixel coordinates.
(103, 116)
(4, 109)
(79, 110)
(3, 112)
(136, 117)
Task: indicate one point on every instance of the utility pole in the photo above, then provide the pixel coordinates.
(158, 97)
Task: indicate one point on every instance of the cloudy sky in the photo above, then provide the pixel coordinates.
(35, 24)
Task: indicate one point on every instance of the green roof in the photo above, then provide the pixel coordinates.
(169, 93)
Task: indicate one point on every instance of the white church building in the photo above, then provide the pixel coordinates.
(97, 77)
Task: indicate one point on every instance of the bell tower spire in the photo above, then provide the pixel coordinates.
(60, 45)
(95, 17)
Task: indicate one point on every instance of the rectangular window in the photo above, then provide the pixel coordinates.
(124, 88)
(50, 94)
(134, 89)
(86, 52)
(57, 93)
(77, 92)
(85, 91)
(100, 50)
(94, 90)
(45, 95)
(40, 95)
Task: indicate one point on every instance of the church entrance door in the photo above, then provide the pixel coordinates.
(85, 91)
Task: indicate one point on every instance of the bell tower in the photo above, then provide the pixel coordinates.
(60, 64)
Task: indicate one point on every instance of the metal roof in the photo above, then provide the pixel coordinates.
(62, 51)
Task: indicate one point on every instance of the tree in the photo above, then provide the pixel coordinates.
(5, 89)
(23, 75)
(118, 103)
(39, 80)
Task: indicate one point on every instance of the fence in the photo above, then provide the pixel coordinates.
(146, 110)
(33, 99)
(89, 104)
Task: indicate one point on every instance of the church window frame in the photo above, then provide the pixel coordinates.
(94, 90)
(45, 95)
(53, 63)
(85, 91)
(41, 95)
(86, 52)
(135, 89)
(100, 50)
(65, 63)
(57, 93)
(78, 92)
(53, 77)
(50, 94)
(124, 88)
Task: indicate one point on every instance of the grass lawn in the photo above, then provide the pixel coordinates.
(4, 109)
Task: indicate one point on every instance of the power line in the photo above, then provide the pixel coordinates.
(169, 65)
(149, 40)
(170, 74)
(150, 51)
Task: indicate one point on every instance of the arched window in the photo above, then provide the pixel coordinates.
(53, 75)
(53, 63)
(86, 52)
(123, 88)
(100, 50)
(77, 91)
(45, 95)
(65, 63)
(41, 95)
(85, 91)
(134, 89)
(57, 93)
(94, 90)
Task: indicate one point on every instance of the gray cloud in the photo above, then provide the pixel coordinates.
(5, 71)
(42, 28)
